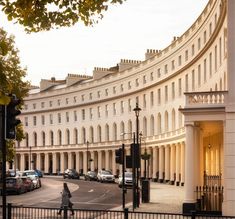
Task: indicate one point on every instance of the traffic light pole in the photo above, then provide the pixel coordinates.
(123, 176)
(133, 174)
(3, 149)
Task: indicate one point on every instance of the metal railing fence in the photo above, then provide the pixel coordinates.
(23, 212)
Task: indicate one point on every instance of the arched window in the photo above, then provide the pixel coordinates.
(67, 137)
(51, 138)
(145, 126)
(114, 131)
(173, 119)
(159, 124)
(166, 122)
(43, 139)
(75, 136)
(220, 84)
(106, 132)
(180, 115)
(91, 135)
(216, 87)
(99, 134)
(59, 138)
(35, 139)
(152, 125)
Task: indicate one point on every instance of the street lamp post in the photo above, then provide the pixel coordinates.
(30, 158)
(87, 160)
(137, 110)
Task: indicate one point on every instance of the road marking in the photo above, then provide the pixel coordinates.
(92, 190)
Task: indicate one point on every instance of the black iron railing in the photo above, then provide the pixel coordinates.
(21, 212)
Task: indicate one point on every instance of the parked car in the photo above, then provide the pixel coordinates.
(34, 177)
(105, 176)
(128, 180)
(15, 185)
(12, 173)
(91, 176)
(28, 183)
(71, 174)
(39, 173)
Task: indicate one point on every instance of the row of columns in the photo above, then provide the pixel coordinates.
(166, 162)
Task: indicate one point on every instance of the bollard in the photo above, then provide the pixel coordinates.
(125, 213)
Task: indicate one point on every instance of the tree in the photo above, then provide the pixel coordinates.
(39, 15)
(11, 80)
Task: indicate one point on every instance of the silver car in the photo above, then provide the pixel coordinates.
(105, 176)
(128, 180)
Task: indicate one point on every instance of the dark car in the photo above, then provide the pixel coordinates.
(39, 173)
(91, 176)
(71, 174)
(28, 183)
(15, 185)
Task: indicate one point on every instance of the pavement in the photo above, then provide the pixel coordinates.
(163, 198)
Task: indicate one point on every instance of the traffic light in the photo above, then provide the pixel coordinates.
(11, 120)
(135, 154)
(119, 157)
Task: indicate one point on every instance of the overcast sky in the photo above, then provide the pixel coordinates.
(125, 32)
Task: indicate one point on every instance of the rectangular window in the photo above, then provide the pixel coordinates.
(90, 96)
(137, 82)
(159, 96)
(173, 90)
(121, 88)
(59, 118)
(205, 70)
(137, 100)
(210, 64)
(34, 106)
(114, 90)
(25, 107)
(129, 105)
(26, 123)
(75, 116)
(151, 76)
(91, 113)
(98, 94)
(50, 103)
(83, 97)
(144, 101)
(210, 28)
(83, 114)
(74, 99)
(106, 110)
(166, 69)
(34, 120)
(144, 79)
(43, 119)
(193, 80)
(199, 75)
(129, 85)
(180, 87)
(172, 65)
(98, 112)
(166, 93)
(199, 43)
(42, 104)
(58, 102)
(186, 83)
(67, 116)
(159, 73)
(106, 92)
(204, 36)
(114, 109)
(179, 60)
(216, 58)
(67, 100)
(51, 119)
(122, 107)
(151, 98)
(186, 55)
(193, 50)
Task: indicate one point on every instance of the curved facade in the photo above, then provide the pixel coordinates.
(183, 93)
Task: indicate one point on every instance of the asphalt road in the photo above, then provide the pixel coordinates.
(85, 194)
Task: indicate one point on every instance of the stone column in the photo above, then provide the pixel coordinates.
(62, 162)
(182, 164)
(172, 165)
(92, 163)
(100, 160)
(77, 161)
(85, 162)
(22, 162)
(38, 164)
(69, 160)
(178, 156)
(46, 163)
(189, 198)
(161, 163)
(114, 169)
(167, 163)
(107, 160)
(54, 167)
(154, 163)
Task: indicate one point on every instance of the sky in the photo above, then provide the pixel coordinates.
(125, 32)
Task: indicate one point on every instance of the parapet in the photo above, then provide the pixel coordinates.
(46, 84)
(151, 52)
(127, 63)
(74, 78)
(99, 72)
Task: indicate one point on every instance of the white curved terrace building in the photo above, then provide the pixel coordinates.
(187, 121)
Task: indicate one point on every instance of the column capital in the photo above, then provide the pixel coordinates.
(189, 124)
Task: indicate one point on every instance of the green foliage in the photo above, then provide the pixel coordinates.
(11, 81)
(39, 15)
